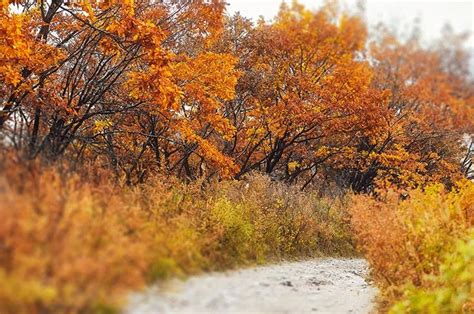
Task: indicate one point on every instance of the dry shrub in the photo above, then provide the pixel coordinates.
(291, 222)
(449, 291)
(68, 246)
(65, 246)
(409, 242)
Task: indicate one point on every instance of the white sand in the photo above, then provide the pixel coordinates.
(315, 286)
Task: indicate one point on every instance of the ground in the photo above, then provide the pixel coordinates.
(314, 286)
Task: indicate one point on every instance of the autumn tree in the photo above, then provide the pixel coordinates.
(429, 112)
(305, 95)
(89, 74)
(142, 87)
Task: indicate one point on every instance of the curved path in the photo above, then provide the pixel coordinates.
(315, 286)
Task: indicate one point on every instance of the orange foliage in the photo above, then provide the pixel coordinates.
(78, 244)
(428, 111)
(406, 241)
(146, 91)
(64, 248)
(175, 87)
(313, 104)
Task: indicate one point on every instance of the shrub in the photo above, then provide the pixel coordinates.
(411, 243)
(451, 291)
(68, 246)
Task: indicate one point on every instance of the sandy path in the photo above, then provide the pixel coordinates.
(315, 286)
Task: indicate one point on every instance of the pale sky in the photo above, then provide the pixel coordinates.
(433, 14)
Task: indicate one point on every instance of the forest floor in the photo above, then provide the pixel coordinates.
(328, 285)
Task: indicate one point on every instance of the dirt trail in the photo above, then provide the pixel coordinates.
(315, 286)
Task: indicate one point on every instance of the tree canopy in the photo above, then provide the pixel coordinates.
(178, 87)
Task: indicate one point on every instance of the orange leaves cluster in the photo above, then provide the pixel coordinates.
(207, 150)
(308, 82)
(19, 50)
(14, 47)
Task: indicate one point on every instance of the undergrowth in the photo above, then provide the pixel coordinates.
(72, 244)
(421, 248)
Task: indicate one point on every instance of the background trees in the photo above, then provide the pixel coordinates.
(429, 110)
(176, 87)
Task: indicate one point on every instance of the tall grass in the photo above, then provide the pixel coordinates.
(421, 248)
(75, 244)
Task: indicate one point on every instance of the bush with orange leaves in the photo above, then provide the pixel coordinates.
(67, 246)
(420, 247)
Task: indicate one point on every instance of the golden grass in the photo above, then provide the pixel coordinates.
(72, 246)
(421, 249)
